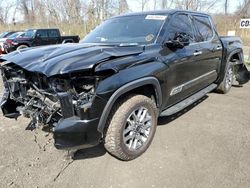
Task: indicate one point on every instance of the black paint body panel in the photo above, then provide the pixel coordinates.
(128, 67)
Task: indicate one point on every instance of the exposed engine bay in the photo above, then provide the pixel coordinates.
(45, 100)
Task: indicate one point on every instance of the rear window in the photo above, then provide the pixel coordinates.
(52, 33)
(204, 28)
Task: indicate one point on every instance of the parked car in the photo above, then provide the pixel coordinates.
(5, 42)
(6, 34)
(127, 72)
(3, 37)
(40, 37)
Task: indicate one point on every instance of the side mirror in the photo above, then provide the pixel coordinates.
(180, 41)
(174, 44)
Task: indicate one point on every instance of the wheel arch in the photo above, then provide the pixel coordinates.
(26, 44)
(236, 54)
(136, 86)
(67, 41)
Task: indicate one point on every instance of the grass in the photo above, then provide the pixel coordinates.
(247, 61)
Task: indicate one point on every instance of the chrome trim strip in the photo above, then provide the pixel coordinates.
(179, 88)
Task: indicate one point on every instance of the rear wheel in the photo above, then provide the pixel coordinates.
(227, 82)
(132, 126)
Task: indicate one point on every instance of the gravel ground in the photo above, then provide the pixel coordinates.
(206, 145)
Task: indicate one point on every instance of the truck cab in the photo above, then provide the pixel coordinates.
(39, 37)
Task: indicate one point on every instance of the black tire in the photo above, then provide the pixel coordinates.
(118, 121)
(21, 47)
(225, 86)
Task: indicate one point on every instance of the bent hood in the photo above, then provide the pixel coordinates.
(67, 58)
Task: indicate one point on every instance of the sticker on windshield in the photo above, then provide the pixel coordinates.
(149, 37)
(155, 17)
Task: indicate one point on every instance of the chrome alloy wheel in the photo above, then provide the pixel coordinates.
(229, 77)
(137, 128)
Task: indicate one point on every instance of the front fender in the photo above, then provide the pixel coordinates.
(128, 79)
(124, 89)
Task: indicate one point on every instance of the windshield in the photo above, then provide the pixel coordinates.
(2, 35)
(29, 33)
(142, 29)
(14, 35)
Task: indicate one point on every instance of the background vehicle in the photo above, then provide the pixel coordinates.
(3, 37)
(40, 37)
(124, 74)
(7, 41)
(6, 34)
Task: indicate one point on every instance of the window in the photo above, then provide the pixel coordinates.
(52, 33)
(141, 29)
(180, 24)
(42, 33)
(204, 29)
(29, 33)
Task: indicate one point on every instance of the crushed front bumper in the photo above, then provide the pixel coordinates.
(73, 133)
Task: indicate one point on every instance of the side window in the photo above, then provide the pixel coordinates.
(42, 33)
(52, 33)
(204, 28)
(180, 24)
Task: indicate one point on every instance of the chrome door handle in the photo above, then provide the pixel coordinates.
(197, 53)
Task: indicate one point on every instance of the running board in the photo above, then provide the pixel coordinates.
(188, 101)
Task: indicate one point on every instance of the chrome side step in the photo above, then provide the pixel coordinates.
(188, 101)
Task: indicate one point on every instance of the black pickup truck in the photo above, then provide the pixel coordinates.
(112, 87)
(38, 37)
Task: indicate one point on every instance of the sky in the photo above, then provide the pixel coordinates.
(134, 6)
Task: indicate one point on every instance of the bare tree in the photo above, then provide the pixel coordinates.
(226, 6)
(5, 11)
(27, 8)
(123, 6)
(195, 5)
(244, 9)
(143, 4)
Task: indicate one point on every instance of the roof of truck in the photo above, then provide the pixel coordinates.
(168, 11)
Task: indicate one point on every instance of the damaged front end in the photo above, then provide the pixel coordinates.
(241, 72)
(60, 103)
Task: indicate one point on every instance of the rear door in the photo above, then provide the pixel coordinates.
(54, 36)
(210, 47)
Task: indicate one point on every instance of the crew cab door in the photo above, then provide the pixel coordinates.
(210, 46)
(54, 36)
(184, 76)
(41, 38)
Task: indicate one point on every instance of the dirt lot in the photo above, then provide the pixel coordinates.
(207, 145)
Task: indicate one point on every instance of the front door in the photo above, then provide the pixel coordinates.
(41, 38)
(184, 63)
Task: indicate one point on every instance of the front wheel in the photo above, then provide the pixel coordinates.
(22, 47)
(227, 82)
(132, 126)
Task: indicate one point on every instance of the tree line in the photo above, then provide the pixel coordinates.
(80, 16)
(80, 11)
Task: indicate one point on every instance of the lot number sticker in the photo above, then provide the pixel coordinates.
(155, 17)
